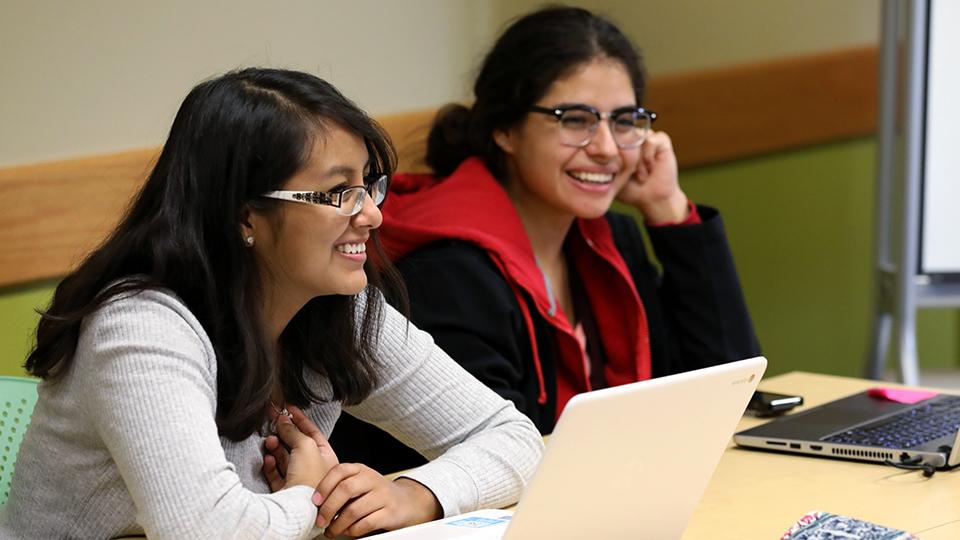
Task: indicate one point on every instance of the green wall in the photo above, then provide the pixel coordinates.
(18, 321)
(801, 227)
(800, 224)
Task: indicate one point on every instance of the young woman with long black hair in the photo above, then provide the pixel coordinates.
(513, 259)
(235, 305)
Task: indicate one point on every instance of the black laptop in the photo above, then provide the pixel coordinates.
(861, 427)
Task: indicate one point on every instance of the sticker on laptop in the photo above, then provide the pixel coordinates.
(477, 522)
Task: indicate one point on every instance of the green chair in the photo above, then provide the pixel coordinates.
(18, 395)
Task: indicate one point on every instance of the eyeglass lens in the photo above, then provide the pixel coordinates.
(629, 128)
(351, 199)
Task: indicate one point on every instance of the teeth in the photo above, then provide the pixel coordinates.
(352, 249)
(596, 178)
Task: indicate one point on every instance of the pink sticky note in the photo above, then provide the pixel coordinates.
(901, 395)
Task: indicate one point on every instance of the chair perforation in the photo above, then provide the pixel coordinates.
(20, 395)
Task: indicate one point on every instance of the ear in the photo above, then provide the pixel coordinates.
(246, 223)
(504, 139)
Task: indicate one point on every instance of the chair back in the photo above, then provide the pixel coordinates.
(18, 395)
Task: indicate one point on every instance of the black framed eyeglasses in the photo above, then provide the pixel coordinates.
(347, 201)
(578, 124)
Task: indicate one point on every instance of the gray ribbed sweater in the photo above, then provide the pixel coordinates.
(126, 441)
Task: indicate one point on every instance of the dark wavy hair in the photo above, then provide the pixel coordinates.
(234, 138)
(534, 52)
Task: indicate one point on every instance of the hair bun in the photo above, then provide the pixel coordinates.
(448, 142)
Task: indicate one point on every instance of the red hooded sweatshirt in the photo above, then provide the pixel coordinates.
(471, 206)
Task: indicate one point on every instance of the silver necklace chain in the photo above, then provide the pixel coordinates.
(280, 412)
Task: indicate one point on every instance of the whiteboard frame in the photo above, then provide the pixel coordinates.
(941, 161)
(900, 287)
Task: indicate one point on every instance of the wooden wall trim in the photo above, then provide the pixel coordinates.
(53, 213)
(732, 113)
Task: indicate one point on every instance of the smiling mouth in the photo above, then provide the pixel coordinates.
(352, 249)
(591, 177)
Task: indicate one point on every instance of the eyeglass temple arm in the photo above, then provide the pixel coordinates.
(316, 197)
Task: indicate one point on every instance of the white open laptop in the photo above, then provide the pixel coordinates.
(625, 462)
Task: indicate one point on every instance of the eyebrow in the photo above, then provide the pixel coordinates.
(344, 170)
(340, 170)
(574, 104)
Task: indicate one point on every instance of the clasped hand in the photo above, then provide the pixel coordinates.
(352, 499)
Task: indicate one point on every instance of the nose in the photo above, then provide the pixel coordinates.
(369, 216)
(603, 146)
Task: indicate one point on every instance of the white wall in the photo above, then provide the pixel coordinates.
(685, 35)
(97, 76)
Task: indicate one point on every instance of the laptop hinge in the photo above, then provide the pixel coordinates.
(953, 455)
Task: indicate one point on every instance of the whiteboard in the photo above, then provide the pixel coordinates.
(940, 225)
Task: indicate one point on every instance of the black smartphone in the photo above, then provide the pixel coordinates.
(770, 404)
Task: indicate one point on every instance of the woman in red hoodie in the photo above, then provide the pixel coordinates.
(515, 263)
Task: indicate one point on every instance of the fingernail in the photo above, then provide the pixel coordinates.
(321, 522)
(317, 498)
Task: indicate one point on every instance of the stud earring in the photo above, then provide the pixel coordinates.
(249, 241)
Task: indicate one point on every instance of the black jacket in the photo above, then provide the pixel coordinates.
(695, 309)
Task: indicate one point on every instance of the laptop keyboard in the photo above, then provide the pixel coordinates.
(908, 429)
